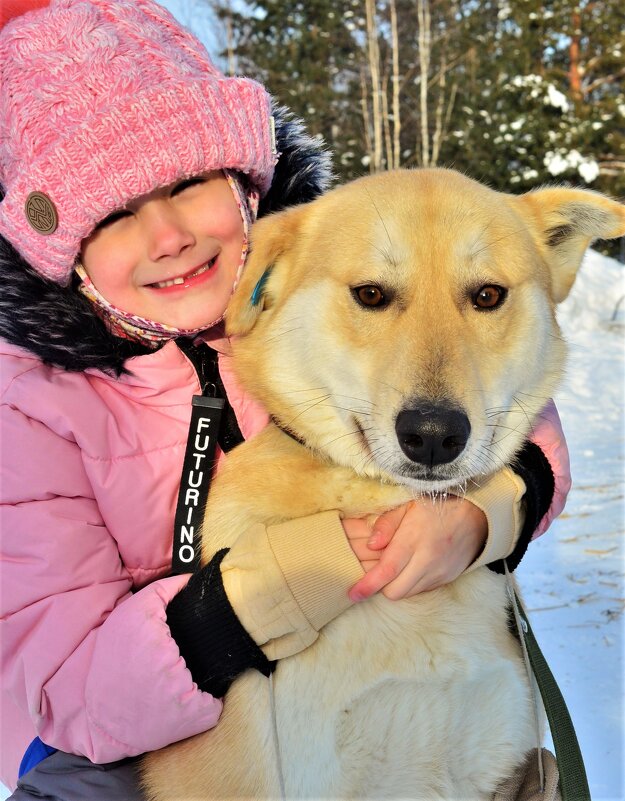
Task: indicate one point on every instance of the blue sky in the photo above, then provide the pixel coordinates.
(199, 19)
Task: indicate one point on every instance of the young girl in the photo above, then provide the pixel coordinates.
(131, 170)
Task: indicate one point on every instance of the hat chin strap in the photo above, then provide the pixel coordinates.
(150, 332)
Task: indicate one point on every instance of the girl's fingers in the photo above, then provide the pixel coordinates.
(387, 569)
(371, 583)
(364, 554)
(385, 526)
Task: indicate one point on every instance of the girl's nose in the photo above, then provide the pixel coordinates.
(165, 228)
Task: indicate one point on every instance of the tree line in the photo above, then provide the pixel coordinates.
(513, 92)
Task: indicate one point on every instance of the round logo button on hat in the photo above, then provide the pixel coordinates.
(41, 213)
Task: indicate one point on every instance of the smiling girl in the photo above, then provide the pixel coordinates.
(131, 171)
(165, 257)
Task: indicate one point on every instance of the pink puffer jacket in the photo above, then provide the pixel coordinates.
(88, 501)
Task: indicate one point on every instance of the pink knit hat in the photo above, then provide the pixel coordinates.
(102, 101)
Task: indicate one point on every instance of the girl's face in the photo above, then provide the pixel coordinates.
(170, 256)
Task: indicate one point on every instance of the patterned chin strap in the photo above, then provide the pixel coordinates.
(131, 326)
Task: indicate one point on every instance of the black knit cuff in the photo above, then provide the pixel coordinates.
(212, 641)
(533, 467)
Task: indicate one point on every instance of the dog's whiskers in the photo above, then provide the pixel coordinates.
(310, 406)
(294, 321)
(542, 398)
(524, 409)
(293, 391)
(281, 334)
(377, 211)
(509, 432)
(504, 410)
(312, 400)
(390, 386)
(360, 400)
(495, 241)
(493, 459)
(336, 439)
(348, 409)
(328, 394)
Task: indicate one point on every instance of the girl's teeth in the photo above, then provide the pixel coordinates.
(178, 281)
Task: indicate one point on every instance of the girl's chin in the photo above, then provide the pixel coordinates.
(187, 313)
(197, 319)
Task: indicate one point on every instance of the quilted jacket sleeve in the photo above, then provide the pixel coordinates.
(90, 662)
(542, 468)
(548, 435)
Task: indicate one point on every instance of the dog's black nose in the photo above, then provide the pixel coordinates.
(432, 435)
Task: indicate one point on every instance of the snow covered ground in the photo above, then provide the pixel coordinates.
(572, 578)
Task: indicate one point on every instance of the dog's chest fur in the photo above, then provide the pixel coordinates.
(389, 690)
(435, 680)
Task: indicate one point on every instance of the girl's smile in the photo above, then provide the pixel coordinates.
(171, 256)
(185, 281)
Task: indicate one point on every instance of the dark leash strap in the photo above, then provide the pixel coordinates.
(573, 779)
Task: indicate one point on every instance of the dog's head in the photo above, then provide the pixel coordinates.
(403, 324)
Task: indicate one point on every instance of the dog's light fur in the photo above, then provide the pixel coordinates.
(424, 698)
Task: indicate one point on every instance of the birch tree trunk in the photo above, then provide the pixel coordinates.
(425, 44)
(366, 120)
(440, 104)
(373, 51)
(230, 43)
(396, 85)
(386, 125)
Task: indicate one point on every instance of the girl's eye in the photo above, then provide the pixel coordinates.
(489, 297)
(187, 183)
(113, 218)
(370, 296)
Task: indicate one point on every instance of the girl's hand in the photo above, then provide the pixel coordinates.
(416, 547)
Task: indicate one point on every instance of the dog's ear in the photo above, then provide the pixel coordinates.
(262, 276)
(566, 222)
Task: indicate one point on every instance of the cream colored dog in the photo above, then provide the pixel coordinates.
(407, 338)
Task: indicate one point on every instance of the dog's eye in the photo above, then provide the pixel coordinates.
(370, 296)
(489, 297)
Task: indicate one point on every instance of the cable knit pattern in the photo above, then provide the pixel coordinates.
(106, 101)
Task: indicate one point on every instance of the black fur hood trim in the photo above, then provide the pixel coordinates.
(60, 326)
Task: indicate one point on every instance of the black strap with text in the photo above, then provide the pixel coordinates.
(199, 461)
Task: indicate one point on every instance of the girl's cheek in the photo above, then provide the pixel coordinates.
(226, 220)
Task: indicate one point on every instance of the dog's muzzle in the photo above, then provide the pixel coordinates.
(432, 435)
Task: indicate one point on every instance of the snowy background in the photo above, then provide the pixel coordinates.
(572, 578)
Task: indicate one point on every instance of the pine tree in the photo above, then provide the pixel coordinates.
(548, 103)
(594, 66)
(304, 53)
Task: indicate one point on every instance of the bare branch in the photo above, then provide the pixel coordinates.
(606, 79)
